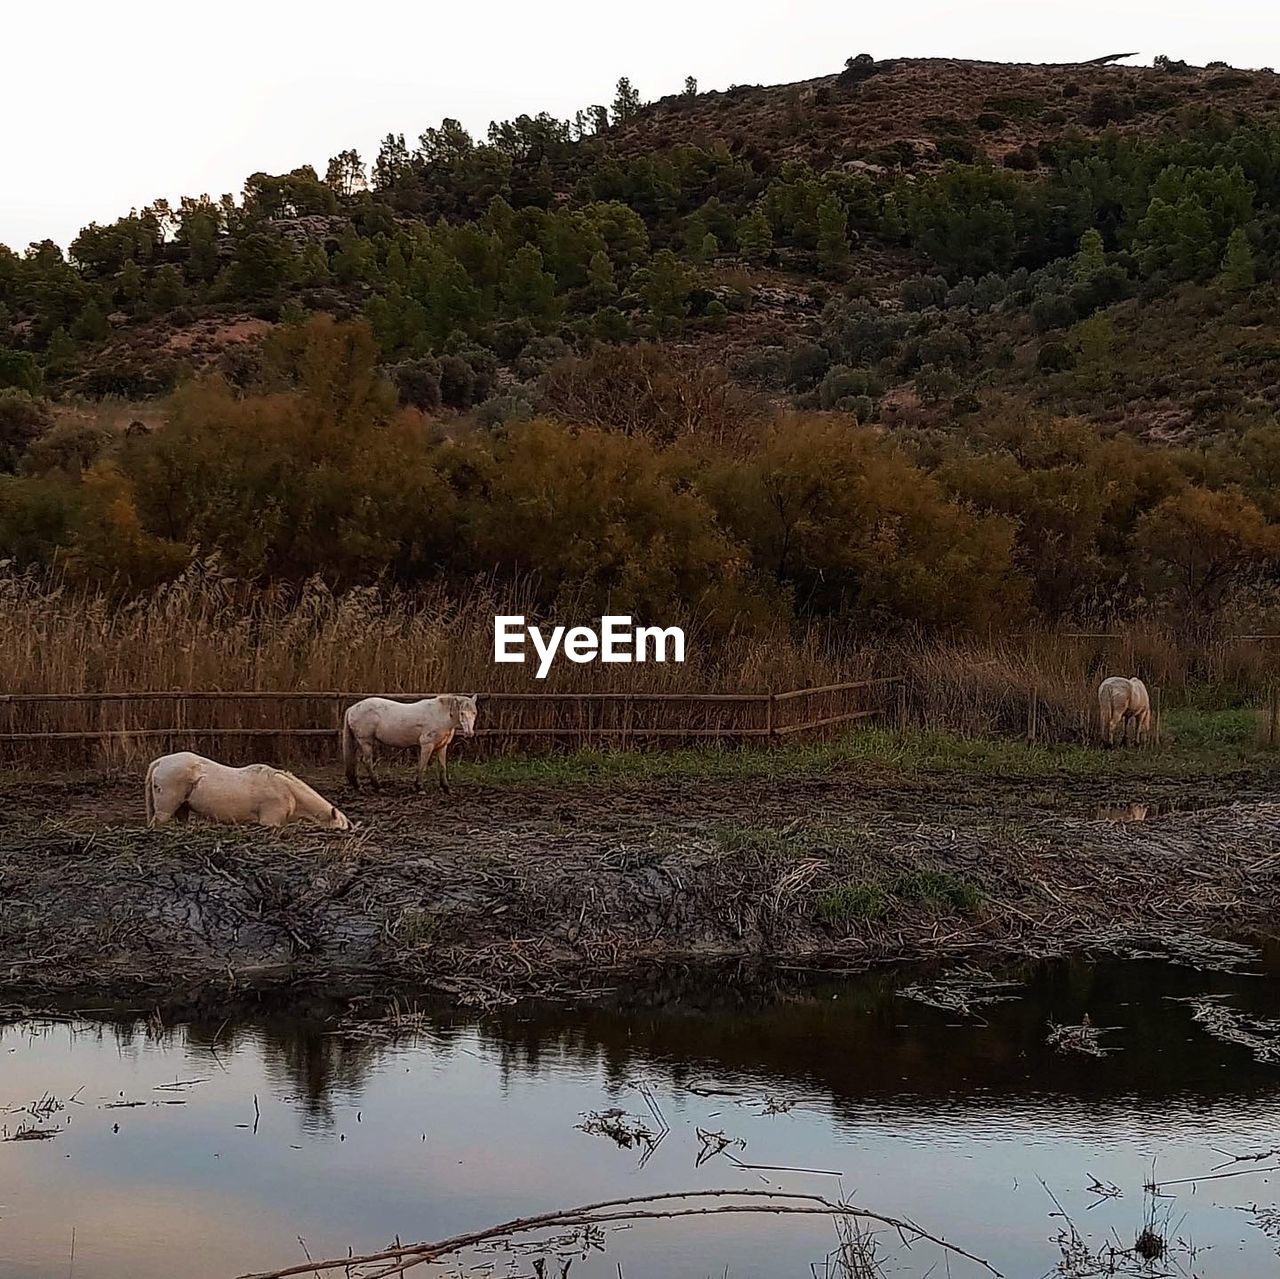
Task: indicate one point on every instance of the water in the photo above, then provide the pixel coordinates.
(950, 1120)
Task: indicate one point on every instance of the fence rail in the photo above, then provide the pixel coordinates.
(45, 729)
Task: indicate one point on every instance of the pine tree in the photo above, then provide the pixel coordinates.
(91, 326)
(528, 290)
(313, 266)
(1238, 271)
(355, 260)
(892, 223)
(755, 237)
(626, 101)
(62, 350)
(601, 285)
(1090, 260)
(665, 286)
(345, 173)
(690, 87)
(129, 282)
(833, 237)
(396, 269)
(167, 290)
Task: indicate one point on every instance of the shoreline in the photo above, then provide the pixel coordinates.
(500, 893)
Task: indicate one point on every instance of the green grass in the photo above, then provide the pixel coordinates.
(872, 899)
(1197, 743)
(417, 927)
(809, 839)
(853, 900)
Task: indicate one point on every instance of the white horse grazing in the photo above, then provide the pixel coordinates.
(181, 784)
(1122, 702)
(430, 725)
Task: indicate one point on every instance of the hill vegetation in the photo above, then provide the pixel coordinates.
(921, 343)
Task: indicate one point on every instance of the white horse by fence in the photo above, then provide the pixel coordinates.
(181, 784)
(1122, 702)
(430, 725)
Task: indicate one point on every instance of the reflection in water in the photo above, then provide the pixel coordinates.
(929, 1113)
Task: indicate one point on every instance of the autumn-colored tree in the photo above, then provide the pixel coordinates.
(599, 516)
(651, 391)
(1203, 543)
(110, 545)
(854, 529)
(327, 479)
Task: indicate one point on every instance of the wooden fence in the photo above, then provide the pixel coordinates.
(47, 730)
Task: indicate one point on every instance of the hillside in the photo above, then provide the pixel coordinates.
(1027, 277)
(920, 112)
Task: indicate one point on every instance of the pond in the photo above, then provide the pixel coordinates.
(221, 1147)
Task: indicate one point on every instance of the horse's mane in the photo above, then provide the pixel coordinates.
(306, 786)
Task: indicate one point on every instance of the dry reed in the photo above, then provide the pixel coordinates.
(208, 632)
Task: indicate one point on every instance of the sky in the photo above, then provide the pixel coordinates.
(105, 106)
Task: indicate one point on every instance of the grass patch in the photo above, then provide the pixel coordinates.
(810, 840)
(937, 888)
(853, 900)
(871, 899)
(1224, 733)
(1197, 743)
(417, 928)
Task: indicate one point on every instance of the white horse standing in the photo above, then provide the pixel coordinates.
(184, 783)
(430, 725)
(1122, 702)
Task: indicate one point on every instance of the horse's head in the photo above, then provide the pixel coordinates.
(464, 715)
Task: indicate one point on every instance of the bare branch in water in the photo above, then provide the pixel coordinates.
(628, 1210)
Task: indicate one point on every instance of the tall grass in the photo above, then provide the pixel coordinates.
(206, 632)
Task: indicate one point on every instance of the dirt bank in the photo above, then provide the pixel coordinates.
(507, 890)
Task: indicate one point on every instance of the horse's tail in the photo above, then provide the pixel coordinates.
(148, 798)
(349, 747)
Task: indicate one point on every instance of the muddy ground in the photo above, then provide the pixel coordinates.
(495, 892)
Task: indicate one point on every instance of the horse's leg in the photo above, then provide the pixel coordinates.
(277, 809)
(368, 757)
(425, 750)
(443, 756)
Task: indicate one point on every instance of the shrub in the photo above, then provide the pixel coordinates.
(1054, 357)
(23, 419)
(922, 291)
(841, 383)
(806, 366)
(418, 383)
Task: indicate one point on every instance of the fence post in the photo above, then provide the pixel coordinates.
(769, 719)
(1273, 715)
(902, 706)
(1155, 719)
(1032, 716)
